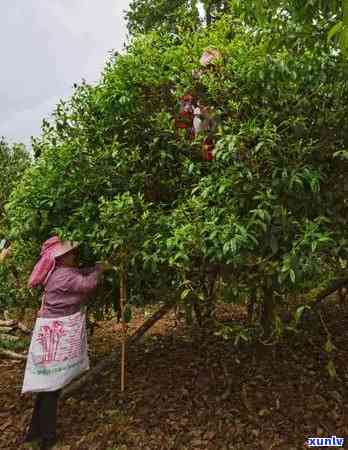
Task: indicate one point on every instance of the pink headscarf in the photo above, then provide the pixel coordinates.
(210, 55)
(50, 250)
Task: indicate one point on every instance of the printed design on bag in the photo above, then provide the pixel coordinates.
(49, 338)
(77, 339)
(56, 370)
(58, 353)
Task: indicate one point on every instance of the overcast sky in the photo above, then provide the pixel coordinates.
(45, 47)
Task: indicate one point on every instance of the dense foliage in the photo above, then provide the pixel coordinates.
(145, 16)
(14, 159)
(266, 219)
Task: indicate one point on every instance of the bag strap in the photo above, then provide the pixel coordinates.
(43, 298)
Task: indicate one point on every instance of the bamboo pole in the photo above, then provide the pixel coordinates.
(115, 354)
(123, 302)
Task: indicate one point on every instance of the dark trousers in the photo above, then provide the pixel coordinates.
(44, 419)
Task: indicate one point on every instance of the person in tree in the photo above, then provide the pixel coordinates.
(210, 56)
(184, 120)
(204, 123)
(209, 63)
(195, 117)
(58, 349)
(208, 149)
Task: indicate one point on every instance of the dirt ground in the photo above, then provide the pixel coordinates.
(186, 391)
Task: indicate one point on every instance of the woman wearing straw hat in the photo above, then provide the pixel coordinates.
(58, 348)
(5, 250)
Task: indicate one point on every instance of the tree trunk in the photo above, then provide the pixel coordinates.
(209, 301)
(198, 311)
(251, 306)
(208, 14)
(194, 9)
(105, 363)
(225, 6)
(342, 295)
(208, 9)
(268, 312)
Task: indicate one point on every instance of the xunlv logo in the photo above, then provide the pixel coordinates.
(325, 442)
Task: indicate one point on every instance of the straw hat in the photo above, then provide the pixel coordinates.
(64, 247)
(51, 249)
(209, 56)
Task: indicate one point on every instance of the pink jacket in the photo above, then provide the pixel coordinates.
(67, 289)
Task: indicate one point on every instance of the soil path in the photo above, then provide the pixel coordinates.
(187, 391)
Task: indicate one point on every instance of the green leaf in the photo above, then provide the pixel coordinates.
(341, 153)
(233, 245)
(334, 30)
(329, 347)
(127, 314)
(226, 247)
(222, 188)
(300, 311)
(330, 367)
(261, 214)
(344, 40)
(185, 293)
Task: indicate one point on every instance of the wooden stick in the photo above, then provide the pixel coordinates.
(8, 323)
(13, 355)
(6, 329)
(122, 303)
(123, 357)
(8, 337)
(7, 315)
(23, 328)
(115, 354)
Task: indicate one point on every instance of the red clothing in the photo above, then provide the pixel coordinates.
(185, 118)
(67, 289)
(208, 148)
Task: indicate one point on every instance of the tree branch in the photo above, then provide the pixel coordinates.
(12, 355)
(105, 363)
(334, 286)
